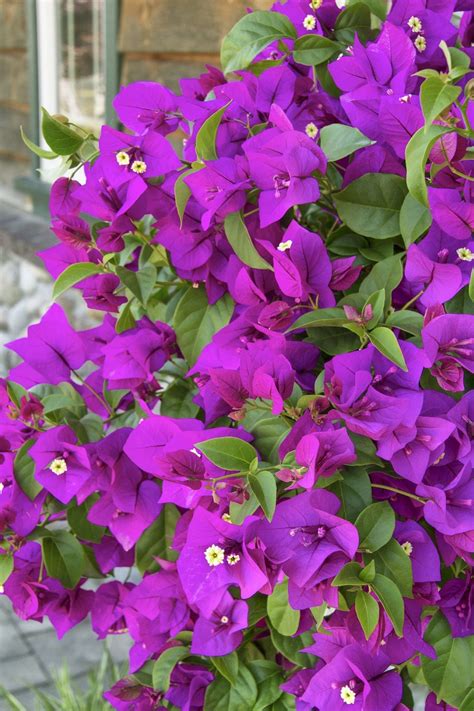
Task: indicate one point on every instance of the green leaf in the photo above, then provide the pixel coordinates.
(415, 219)
(435, 96)
(6, 567)
(467, 703)
(349, 575)
(239, 512)
(386, 342)
(37, 150)
(367, 611)
(314, 49)
(339, 141)
(320, 318)
(450, 675)
(140, 283)
(24, 468)
(268, 676)
(230, 453)
(63, 403)
(126, 319)
(391, 598)
(177, 401)
(416, 156)
(164, 666)
(156, 541)
(79, 523)
(59, 137)
(378, 7)
(196, 321)
(392, 561)
(371, 205)
(283, 618)
(63, 557)
(222, 696)
(386, 274)
(355, 19)
(264, 487)
(354, 492)
(268, 432)
(206, 136)
(377, 302)
(227, 666)
(250, 35)
(182, 193)
(471, 286)
(409, 321)
(241, 242)
(74, 274)
(291, 647)
(367, 574)
(375, 524)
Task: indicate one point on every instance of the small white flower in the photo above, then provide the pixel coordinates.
(415, 24)
(465, 254)
(309, 22)
(214, 555)
(233, 558)
(58, 466)
(420, 43)
(226, 517)
(408, 548)
(122, 158)
(315, 4)
(311, 130)
(341, 4)
(347, 695)
(139, 166)
(284, 246)
(224, 619)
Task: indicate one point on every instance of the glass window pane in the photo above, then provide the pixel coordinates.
(82, 61)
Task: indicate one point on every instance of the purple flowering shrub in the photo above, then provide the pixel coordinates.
(263, 453)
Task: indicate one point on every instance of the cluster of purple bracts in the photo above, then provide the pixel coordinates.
(130, 468)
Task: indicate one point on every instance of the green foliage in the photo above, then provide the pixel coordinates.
(72, 275)
(156, 541)
(371, 205)
(241, 242)
(282, 617)
(206, 137)
(263, 485)
(451, 674)
(230, 453)
(367, 611)
(339, 141)
(24, 468)
(196, 321)
(250, 35)
(375, 524)
(314, 49)
(63, 556)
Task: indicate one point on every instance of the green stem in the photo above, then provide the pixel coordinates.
(400, 491)
(412, 301)
(102, 401)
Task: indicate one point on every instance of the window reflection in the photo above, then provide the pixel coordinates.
(82, 61)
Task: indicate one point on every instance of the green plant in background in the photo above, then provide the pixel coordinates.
(69, 696)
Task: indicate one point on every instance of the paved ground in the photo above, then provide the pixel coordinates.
(30, 652)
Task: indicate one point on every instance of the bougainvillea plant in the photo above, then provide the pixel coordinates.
(258, 464)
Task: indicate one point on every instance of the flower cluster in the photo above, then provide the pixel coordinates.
(262, 454)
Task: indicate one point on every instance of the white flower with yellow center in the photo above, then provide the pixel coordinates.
(465, 254)
(284, 246)
(122, 158)
(420, 43)
(58, 466)
(139, 166)
(309, 22)
(226, 517)
(347, 695)
(224, 619)
(407, 547)
(233, 558)
(315, 4)
(214, 555)
(415, 24)
(311, 130)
